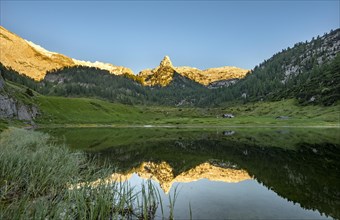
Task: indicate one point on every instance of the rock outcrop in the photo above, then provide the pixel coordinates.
(163, 74)
(34, 61)
(11, 108)
(222, 83)
(8, 108)
(2, 83)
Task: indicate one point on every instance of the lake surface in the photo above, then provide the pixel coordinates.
(238, 173)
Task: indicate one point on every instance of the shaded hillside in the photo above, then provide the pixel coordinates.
(320, 86)
(181, 91)
(309, 69)
(82, 81)
(93, 82)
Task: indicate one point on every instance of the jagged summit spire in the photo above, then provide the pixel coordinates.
(166, 61)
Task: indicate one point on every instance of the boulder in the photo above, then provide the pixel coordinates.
(8, 107)
(24, 113)
(228, 116)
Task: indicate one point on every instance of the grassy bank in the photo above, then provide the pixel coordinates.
(3, 125)
(35, 180)
(84, 111)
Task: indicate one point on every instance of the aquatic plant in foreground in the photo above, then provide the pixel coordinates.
(35, 179)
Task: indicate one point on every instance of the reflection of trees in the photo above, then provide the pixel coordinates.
(308, 175)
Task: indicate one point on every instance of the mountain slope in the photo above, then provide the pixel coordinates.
(181, 91)
(34, 61)
(162, 75)
(80, 81)
(309, 72)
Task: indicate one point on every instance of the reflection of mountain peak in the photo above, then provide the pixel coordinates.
(163, 174)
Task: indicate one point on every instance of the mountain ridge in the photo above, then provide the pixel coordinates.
(308, 72)
(162, 75)
(34, 61)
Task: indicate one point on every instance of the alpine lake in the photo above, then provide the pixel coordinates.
(222, 172)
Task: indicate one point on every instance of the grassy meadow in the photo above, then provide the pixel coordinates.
(84, 111)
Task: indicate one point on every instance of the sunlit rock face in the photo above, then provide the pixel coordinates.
(34, 61)
(163, 74)
(164, 175)
(208, 76)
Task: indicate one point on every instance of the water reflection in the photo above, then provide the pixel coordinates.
(283, 166)
(162, 173)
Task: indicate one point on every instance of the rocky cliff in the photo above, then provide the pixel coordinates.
(11, 107)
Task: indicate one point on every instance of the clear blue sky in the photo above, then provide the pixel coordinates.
(202, 34)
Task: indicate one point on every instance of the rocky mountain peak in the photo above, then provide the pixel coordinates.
(163, 74)
(166, 62)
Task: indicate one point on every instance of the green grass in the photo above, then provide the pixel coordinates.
(36, 176)
(3, 125)
(18, 92)
(81, 110)
(89, 112)
(6, 123)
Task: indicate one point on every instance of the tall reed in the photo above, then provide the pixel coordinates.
(36, 175)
